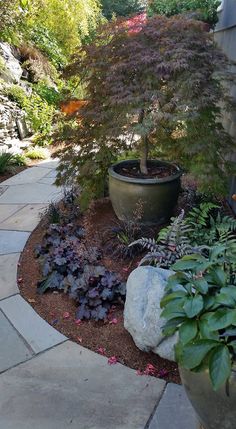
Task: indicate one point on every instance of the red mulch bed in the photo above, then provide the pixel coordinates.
(54, 306)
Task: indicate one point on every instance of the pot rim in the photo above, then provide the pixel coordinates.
(167, 179)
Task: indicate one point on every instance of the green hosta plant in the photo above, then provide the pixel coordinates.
(200, 304)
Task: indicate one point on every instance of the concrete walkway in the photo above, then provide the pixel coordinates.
(47, 381)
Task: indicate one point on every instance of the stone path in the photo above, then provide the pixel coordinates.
(47, 381)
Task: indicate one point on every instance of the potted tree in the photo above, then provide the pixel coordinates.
(200, 304)
(152, 86)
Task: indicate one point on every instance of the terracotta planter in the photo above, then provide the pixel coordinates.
(157, 196)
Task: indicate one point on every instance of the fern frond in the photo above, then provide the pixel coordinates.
(146, 243)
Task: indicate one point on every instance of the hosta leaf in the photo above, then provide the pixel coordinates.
(171, 325)
(169, 297)
(174, 309)
(188, 331)
(195, 352)
(209, 302)
(224, 298)
(201, 285)
(230, 291)
(184, 265)
(177, 279)
(193, 305)
(206, 332)
(220, 366)
(219, 276)
(222, 318)
(233, 344)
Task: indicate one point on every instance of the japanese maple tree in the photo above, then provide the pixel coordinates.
(151, 85)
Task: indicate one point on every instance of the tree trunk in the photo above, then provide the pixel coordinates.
(143, 147)
(144, 155)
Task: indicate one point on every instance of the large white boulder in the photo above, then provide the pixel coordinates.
(145, 289)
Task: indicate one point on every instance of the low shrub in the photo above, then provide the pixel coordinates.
(5, 161)
(202, 228)
(69, 266)
(199, 304)
(39, 114)
(206, 10)
(37, 153)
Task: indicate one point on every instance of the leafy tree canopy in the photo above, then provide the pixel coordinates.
(206, 10)
(50, 24)
(154, 85)
(122, 7)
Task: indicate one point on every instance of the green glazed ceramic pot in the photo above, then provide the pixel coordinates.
(158, 197)
(215, 410)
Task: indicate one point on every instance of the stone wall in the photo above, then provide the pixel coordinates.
(11, 116)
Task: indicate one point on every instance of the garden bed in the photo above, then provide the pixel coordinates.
(110, 337)
(8, 174)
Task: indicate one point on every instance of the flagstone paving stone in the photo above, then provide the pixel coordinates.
(13, 349)
(52, 163)
(12, 241)
(71, 387)
(174, 411)
(36, 193)
(25, 219)
(38, 333)
(8, 273)
(7, 210)
(30, 175)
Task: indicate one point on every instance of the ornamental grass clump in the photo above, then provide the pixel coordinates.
(152, 85)
(200, 304)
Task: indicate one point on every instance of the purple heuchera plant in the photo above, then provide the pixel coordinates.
(67, 265)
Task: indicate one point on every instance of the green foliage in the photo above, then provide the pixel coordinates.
(199, 304)
(36, 153)
(39, 114)
(206, 10)
(209, 226)
(59, 26)
(47, 93)
(19, 160)
(5, 161)
(173, 242)
(203, 227)
(121, 7)
(88, 170)
(9, 19)
(48, 44)
(165, 98)
(198, 221)
(8, 160)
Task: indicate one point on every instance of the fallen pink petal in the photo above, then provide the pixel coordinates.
(150, 369)
(101, 351)
(113, 321)
(66, 315)
(78, 322)
(112, 360)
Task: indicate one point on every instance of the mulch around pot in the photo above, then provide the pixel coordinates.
(154, 172)
(110, 337)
